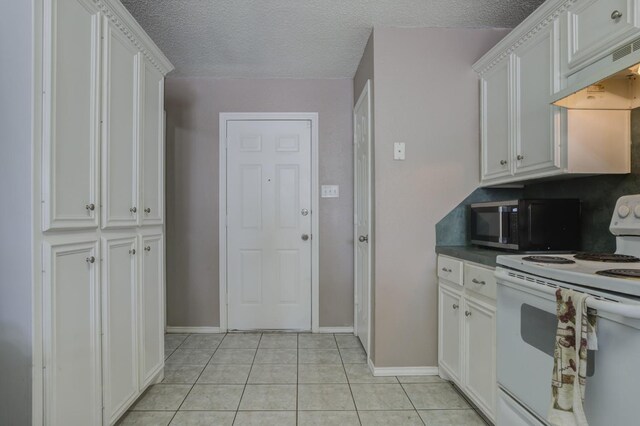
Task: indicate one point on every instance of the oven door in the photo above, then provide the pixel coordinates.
(491, 224)
(526, 327)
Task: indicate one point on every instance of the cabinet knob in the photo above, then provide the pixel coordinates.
(615, 15)
(503, 162)
(90, 207)
(455, 306)
(519, 157)
(467, 313)
(133, 209)
(476, 281)
(132, 251)
(147, 210)
(147, 248)
(90, 259)
(447, 270)
(363, 238)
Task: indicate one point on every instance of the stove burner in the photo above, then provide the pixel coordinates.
(606, 257)
(621, 273)
(556, 260)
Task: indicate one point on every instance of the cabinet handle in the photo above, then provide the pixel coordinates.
(455, 306)
(475, 281)
(133, 210)
(90, 259)
(446, 270)
(90, 207)
(132, 251)
(503, 162)
(467, 313)
(519, 157)
(147, 210)
(615, 15)
(147, 248)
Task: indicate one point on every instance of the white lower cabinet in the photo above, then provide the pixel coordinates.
(119, 334)
(467, 335)
(151, 308)
(71, 332)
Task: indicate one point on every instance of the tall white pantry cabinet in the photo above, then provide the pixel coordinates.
(99, 168)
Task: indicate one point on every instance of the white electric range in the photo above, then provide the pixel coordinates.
(526, 327)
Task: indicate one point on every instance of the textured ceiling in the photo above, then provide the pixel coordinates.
(297, 38)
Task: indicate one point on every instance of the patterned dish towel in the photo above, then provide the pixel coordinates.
(575, 334)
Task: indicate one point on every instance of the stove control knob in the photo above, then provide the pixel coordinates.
(636, 211)
(623, 211)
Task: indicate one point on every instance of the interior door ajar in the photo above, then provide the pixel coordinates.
(269, 224)
(362, 206)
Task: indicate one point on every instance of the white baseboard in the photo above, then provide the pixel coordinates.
(193, 330)
(402, 371)
(335, 330)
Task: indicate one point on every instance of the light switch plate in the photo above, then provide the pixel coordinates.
(330, 191)
(398, 151)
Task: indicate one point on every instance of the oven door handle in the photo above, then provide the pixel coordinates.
(616, 308)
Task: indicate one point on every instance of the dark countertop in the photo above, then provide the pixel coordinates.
(483, 256)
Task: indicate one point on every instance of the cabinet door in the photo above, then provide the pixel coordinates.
(450, 336)
(71, 115)
(120, 129)
(152, 201)
(119, 321)
(495, 115)
(480, 354)
(536, 73)
(71, 333)
(151, 308)
(597, 26)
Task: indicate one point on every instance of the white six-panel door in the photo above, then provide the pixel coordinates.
(269, 224)
(71, 120)
(362, 205)
(71, 332)
(120, 131)
(119, 334)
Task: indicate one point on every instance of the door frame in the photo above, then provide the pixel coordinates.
(365, 91)
(222, 200)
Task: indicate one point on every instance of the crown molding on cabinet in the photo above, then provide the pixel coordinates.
(123, 20)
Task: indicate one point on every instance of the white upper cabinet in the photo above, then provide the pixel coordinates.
(597, 26)
(152, 162)
(523, 136)
(120, 129)
(535, 77)
(71, 115)
(495, 96)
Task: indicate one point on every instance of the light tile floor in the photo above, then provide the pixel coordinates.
(289, 379)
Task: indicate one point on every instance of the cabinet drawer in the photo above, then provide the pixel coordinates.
(597, 26)
(480, 280)
(450, 269)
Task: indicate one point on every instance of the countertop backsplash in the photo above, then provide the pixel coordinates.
(597, 193)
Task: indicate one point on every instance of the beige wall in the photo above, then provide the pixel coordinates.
(192, 106)
(426, 96)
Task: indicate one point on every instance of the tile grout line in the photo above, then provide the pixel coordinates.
(348, 381)
(411, 401)
(197, 378)
(247, 381)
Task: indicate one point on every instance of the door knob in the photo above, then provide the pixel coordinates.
(305, 237)
(363, 238)
(304, 212)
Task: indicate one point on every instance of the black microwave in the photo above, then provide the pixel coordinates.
(527, 225)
